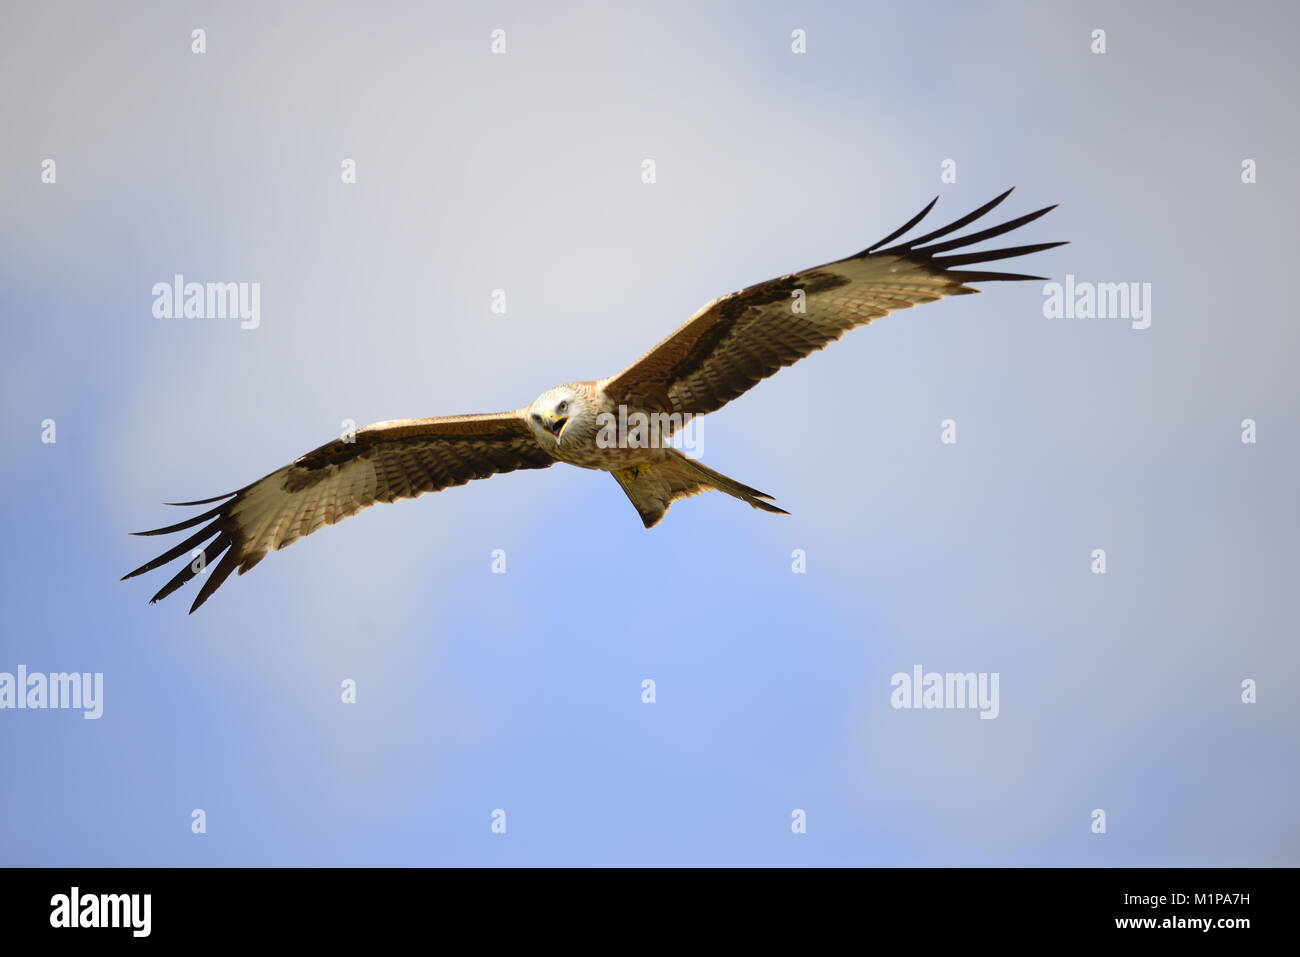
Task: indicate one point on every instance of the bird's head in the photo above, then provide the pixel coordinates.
(563, 415)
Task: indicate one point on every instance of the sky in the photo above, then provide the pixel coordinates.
(499, 718)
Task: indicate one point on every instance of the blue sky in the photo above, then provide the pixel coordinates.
(522, 691)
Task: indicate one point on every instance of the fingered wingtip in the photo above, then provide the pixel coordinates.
(204, 501)
(901, 229)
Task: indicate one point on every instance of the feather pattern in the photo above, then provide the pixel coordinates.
(384, 462)
(735, 342)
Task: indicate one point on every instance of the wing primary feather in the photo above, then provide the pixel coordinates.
(989, 255)
(966, 220)
(965, 277)
(189, 522)
(984, 234)
(900, 230)
(176, 551)
(188, 570)
(206, 501)
(216, 577)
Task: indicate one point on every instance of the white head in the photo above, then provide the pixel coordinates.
(564, 416)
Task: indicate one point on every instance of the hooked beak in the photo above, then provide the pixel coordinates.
(553, 423)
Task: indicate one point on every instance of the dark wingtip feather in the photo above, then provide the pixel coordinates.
(210, 554)
(990, 277)
(188, 523)
(984, 234)
(204, 501)
(901, 229)
(177, 550)
(216, 577)
(916, 250)
(957, 224)
(990, 255)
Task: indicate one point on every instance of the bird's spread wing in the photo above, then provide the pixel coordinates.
(735, 342)
(382, 462)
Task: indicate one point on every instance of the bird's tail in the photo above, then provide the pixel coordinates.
(653, 488)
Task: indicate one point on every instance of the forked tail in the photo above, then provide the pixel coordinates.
(653, 488)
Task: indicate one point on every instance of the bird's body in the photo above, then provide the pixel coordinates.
(585, 424)
(620, 425)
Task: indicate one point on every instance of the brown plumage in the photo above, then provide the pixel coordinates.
(738, 340)
(384, 462)
(721, 352)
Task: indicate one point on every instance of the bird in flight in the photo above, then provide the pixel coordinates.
(622, 425)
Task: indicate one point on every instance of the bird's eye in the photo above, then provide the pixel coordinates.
(562, 407)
